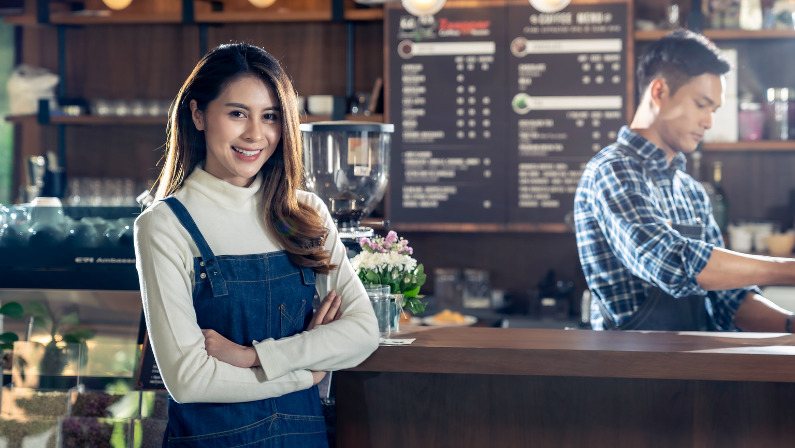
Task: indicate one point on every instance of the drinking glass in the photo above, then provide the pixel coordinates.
(382, 306)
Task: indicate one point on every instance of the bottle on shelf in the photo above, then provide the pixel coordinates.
(696, 156)
(720, 203)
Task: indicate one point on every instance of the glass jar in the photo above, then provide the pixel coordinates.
(778, 113)
(751, 120)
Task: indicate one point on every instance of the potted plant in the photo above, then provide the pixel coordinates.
(388, 261)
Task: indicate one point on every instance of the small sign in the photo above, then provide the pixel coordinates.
(148, 376)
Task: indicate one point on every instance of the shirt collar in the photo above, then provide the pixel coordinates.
(654, 157)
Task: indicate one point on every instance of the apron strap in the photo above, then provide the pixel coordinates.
(209, 261)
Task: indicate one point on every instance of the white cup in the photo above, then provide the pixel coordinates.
(320, 104)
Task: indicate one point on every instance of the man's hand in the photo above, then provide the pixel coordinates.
(227, 351)
(329, 310)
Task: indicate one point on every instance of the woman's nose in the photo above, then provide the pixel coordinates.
(254, 131)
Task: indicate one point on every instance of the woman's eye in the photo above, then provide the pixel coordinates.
(270, 117)
(237, 114)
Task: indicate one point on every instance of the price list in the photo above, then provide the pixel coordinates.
(447, 97)
(498, 108)
(568, 76)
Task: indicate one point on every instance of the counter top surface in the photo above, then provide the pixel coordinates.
(627, 354)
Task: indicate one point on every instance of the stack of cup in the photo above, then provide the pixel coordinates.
(380, 298)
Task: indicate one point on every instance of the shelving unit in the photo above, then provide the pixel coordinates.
(167, 36)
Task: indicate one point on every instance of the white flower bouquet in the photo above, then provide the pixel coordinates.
(388, 261)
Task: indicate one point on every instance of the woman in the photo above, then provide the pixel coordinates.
(228, 260)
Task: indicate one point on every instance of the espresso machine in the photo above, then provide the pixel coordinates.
(346, 163)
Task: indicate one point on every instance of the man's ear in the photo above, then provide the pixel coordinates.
(658, 91)
(197, 115)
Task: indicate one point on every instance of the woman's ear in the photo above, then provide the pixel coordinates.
(197, 115)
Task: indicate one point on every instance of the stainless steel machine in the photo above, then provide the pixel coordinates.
(346, 163)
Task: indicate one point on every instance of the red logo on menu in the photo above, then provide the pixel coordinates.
(464, 28)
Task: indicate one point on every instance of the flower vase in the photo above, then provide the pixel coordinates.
(396, 301)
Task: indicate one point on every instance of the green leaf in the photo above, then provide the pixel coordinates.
(9, 337)
(412, 292)
(42, 322)
(36, 309)
(6, 346)
(372, 277)
(413, 304)
(69, 319)
(12, 310)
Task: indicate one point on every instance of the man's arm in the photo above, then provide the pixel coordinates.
(727, 269)
(757, 313)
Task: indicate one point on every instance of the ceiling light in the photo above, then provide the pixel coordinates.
(117, 4)
(262, 3)
(423, 7)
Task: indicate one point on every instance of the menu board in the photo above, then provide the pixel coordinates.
(567, 77)
(446, 95)
(498, 107)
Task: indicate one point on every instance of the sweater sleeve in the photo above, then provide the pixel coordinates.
(165, 264)
(340, 344)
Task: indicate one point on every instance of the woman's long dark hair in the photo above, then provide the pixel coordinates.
(298, 227)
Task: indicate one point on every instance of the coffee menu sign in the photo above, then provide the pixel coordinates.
(497, 108)
(446, 99)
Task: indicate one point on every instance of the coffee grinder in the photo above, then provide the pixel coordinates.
(346, 163)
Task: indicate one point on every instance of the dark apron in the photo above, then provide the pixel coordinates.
(246, 298)
(660, 310)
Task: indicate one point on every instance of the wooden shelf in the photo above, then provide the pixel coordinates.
(722, 34)
(364, 14)
(94, 120)
(107, 17)
(482, 228)
(377, 118)
(262, 16)
(751, 146)
(97, 19)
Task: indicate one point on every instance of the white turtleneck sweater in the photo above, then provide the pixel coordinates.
(229, 219)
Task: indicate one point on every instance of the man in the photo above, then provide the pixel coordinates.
(650, 249)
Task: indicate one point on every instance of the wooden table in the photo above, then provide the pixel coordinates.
(494, 387)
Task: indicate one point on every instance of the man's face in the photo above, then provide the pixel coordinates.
(686, 115)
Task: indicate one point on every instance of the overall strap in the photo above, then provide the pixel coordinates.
(209, 261)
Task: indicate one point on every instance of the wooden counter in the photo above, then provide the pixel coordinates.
(495, 387)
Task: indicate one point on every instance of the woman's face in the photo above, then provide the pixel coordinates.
(242, 128)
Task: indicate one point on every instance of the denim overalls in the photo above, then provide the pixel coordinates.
(660, 310)
(246, 298)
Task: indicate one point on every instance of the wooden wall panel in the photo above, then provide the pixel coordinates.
(129, 61)
(368, 54)
(313, 54)
(114, 151)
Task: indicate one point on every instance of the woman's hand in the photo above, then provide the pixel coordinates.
(329, 310)
(229, 352)
(317, 376)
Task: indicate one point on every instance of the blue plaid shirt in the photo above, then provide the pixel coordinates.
(624, 239)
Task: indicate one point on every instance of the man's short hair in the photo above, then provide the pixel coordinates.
(678, 57)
